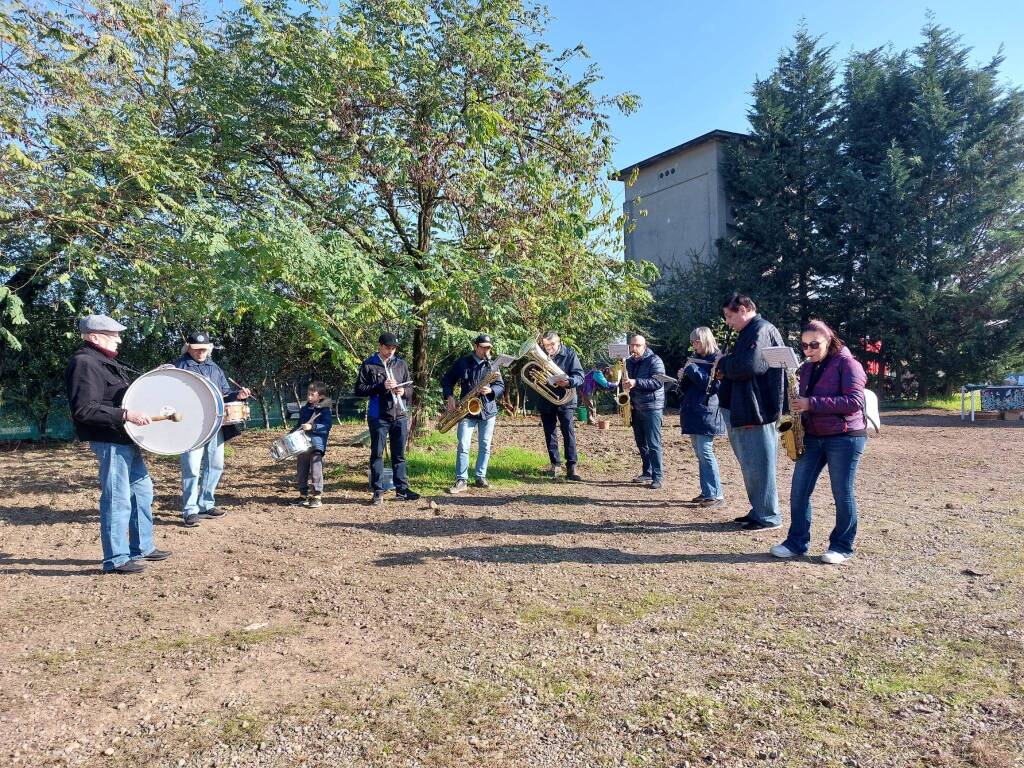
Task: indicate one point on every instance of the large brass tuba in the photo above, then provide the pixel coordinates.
(470, 405)
(790, 425)
(538, 373)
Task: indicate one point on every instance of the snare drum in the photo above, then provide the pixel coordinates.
(236, 413)
(166, 389)
(290, 445)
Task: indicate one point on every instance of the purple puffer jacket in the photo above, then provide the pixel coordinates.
(837, 405)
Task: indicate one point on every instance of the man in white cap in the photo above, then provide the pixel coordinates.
(201, 468)
(96, 384)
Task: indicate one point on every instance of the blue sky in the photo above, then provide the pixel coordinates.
(693, 63)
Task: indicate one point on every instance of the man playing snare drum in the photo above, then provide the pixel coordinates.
(201, 468)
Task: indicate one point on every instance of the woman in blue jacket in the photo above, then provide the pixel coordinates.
(702, 421)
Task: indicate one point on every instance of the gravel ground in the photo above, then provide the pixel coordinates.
(539, 624)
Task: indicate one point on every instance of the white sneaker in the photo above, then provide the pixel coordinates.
(781, 550)
(834, 558)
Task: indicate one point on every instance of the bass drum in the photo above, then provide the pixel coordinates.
(168, 389)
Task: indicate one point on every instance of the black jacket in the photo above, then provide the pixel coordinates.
(95, 386)
(321, 424)
(370, 383)
(754, 393)
(649, 393)
(566, 359)
(466, 372)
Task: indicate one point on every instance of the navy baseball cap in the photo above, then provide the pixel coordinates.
(199, 339)
(483, 338)
(388, 339)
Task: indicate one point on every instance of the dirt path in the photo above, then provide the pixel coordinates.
(544, 624)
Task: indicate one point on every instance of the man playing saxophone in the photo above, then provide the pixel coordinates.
(468, 372)
(563, 416)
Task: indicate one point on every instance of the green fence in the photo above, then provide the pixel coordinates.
(17, 422)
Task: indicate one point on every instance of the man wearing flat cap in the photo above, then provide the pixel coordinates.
(383, 378)
(96, 384)
(202, 467)
(467, 372)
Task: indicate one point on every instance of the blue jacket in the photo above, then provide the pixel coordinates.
(321, 426)
(566, 359)
(754, 393)
(370, 383)
(211, 371)
(649, 393)
(466, 372)
(695, 417)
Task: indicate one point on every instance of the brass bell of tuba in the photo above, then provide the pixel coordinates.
(538, 373)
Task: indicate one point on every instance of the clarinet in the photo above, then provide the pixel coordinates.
(714, 367)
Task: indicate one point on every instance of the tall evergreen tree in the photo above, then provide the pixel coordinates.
(780, 244)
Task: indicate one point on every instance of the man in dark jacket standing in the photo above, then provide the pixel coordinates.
(379, 379)
(752, 398)
(647, 401)
(467, 373)
(96, 384)
(201, 468)
(551, 415)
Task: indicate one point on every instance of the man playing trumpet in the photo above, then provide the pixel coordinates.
(563, 415)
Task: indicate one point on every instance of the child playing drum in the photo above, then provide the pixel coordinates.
(315, 420)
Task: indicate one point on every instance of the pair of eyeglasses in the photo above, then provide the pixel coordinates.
(810, 344)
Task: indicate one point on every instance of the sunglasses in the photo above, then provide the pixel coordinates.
(810, 344)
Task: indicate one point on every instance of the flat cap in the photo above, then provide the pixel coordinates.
(388, 339)
(483, 338)
(99, 324)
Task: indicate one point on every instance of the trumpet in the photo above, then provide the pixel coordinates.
(539, 373)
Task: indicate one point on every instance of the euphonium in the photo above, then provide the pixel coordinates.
(790, 425)
(538, 373)
(470, 405)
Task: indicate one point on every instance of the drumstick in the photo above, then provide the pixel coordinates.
(173, 416)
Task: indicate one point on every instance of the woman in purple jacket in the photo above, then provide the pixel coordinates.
(831, 404)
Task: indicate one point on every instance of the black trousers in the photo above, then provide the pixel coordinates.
(382, 433)
(564, 418)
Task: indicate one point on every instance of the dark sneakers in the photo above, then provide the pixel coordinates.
(574, 477)
(206, 514)
(377, 500)
(481, 483)
(642, 479)
(706, 503)
(655, 485)
(313, 501)
(743, 519)
(157, 554)
(132, 566)
(407, 495)
(191, 521)
(754, 525)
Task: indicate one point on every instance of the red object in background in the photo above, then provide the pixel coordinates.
(874, 348)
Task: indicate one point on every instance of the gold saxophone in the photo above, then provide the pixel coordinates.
(470, 405)
(622, 396)
(790, 425)
(539, 371)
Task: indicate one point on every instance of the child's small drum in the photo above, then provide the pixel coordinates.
(290, 445)
(236, 413)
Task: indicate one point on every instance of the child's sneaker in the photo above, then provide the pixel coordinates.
(312, 502)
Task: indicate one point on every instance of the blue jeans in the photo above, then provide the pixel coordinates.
(126, 504)
(710, 483)
(381, 433)
(756, 448)
(841, 454)
(200, 472)
(484, 429)
(647, 433)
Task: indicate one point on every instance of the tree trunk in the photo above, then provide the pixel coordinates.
(265, 408)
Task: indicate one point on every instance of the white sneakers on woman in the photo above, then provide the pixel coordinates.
(831, 557)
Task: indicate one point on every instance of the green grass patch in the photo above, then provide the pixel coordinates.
(431, 465)
(947, 403)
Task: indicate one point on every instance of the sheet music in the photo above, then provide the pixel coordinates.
(781, 357)
(502, 361)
